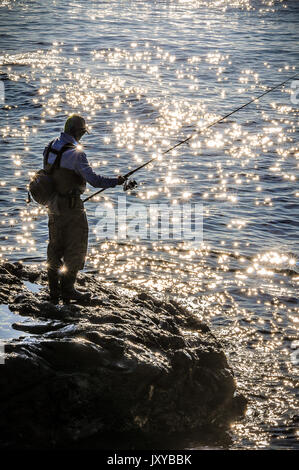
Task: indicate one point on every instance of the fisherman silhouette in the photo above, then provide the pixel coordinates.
(68, 226)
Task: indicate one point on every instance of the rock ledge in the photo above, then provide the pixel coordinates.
(121, 363)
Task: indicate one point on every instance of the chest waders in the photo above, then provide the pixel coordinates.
(68, 231)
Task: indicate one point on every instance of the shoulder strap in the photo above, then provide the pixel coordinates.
(58, 154)
(48, 151)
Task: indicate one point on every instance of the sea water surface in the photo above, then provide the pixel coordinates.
(146, 74)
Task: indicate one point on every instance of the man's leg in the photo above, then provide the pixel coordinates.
(54, 256)
(76, 240)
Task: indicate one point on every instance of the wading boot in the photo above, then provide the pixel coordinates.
(69, 292)
(54, 290)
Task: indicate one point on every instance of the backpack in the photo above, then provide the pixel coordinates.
(42, 185)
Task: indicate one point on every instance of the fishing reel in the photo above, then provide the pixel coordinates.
(129, 184)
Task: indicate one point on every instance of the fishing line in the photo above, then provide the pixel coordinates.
(200, 131)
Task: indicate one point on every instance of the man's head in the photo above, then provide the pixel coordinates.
(75, 126)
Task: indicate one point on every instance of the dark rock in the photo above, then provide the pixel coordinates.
(117, 364)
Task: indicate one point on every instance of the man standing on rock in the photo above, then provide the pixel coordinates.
(68, 227)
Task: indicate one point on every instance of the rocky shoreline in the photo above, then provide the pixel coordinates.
(122, 363)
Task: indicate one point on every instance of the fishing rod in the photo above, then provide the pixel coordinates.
(131, 185)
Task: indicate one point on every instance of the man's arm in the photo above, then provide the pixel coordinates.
(91, 177)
